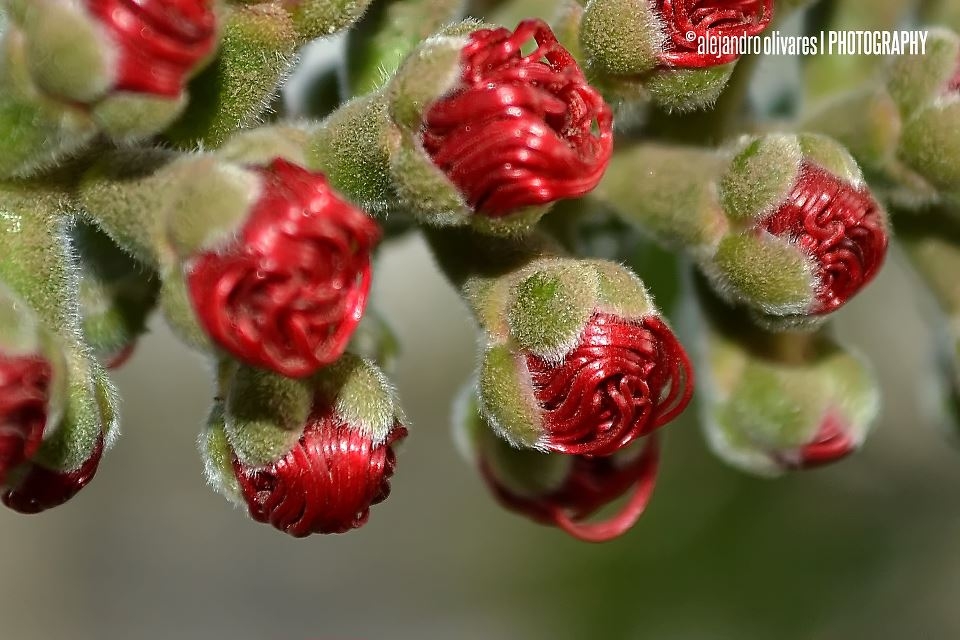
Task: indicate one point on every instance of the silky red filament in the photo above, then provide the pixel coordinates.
(519, 130)
(592, 483)
(159, 42)
(831, 444)
(622, 381)
(687, 22)
(288, 293)
(24, 396)
(326, 483)
(840, 227)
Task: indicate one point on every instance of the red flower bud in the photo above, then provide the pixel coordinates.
(326, 483)
(24, 394)
(159, 42)
(518, 130)
(839, 226)
(689, 21)
(591, 483)
(832, 443)
(287, 294)
(624, 380)
(42, 488)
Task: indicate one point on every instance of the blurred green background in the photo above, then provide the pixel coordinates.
(867, 549)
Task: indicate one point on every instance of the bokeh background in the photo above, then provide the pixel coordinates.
(867, 549)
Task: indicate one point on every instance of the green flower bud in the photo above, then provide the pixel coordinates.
(780, 401)
(116, 294)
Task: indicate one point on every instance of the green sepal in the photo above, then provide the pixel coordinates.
(265, 414)
(35, 131)
(683, 90)
(207, 203)
(256, 51)
(550, 305)
(320, 18)
(263, 144)
(128, 117)
(177, 308)
(930, 144)
(88, 415)
(760, 177)
(620, 37)
(765, 272)
(505, 393)
(65, 51)
(354, 146)
(218, 456)
(361, 395)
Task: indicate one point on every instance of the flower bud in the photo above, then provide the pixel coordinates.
(561, 490)
(309, 456)
(286, 288)
(637, 48)
(126, 62)
(775, 402)
(915, 81)
(811, 236)
(493, 136)
(576, 359)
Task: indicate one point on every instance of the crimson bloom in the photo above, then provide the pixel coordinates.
(622, 381)
(839, 226)
(24, 397)
(687, 22)
(589, 484)
(158, 42)
(289, 291)
(519, 130)
(326, 483)
(41, 488)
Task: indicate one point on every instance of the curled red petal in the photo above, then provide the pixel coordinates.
(326, 483)
(519, 130)
(289, 292)
(158, 42)
(42, 488)
(839, 226)
(687, 22)
(24, 398)
(622, 381)
(592, 483)
(831, 443)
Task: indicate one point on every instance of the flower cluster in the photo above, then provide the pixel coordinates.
(137, 174)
